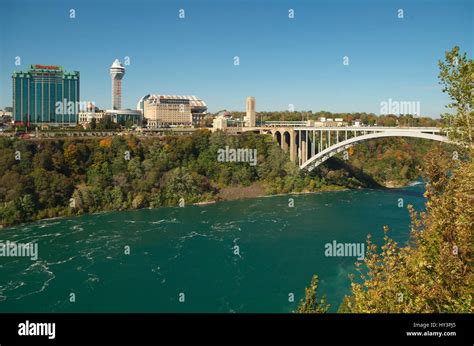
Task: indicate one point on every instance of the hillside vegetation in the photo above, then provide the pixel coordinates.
(50, 178)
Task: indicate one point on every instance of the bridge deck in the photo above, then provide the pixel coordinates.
(369, 129)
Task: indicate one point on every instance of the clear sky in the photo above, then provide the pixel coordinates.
(282, 61)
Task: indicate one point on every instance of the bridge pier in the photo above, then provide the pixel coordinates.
(293, 151)
(304, 147)
(284, 145)
(286, 138)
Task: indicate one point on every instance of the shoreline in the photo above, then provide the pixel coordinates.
(266, 196)
(223, 198)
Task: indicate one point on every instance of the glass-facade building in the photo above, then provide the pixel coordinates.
(46, 95)
(123, 116)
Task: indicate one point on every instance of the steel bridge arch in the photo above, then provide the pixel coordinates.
(327, 153)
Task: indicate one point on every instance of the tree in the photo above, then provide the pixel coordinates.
(311, 304)
(10, 213)
(106, 123)
(71, 157)
(434, 272)
(52, 189)
(129, 123)
(457, 77)
(28, 207)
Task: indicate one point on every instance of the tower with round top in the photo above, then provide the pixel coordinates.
(117, 71)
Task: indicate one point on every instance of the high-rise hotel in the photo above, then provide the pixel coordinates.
(46, 95)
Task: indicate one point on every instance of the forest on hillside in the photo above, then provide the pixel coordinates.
(50, 178)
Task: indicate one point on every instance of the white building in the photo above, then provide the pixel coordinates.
(219, 123)
(172, 110)
(85, 117)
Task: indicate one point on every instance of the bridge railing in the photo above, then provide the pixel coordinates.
(283, 123)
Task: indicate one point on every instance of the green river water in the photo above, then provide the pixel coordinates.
(192, 250)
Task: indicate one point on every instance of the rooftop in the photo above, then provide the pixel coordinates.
(116, 64)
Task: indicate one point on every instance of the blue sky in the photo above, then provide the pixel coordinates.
(282, 61)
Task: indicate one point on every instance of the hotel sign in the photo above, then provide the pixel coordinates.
(46, 67)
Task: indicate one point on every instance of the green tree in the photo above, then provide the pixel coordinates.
(129, 123)
(457, 77)
(10, 213)
(106, 123)
(28, 206)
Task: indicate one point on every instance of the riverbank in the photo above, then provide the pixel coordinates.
(229, 193)
(66, 178)
(257, 190)
(392, 184)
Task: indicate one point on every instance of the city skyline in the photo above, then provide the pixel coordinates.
(298, 62)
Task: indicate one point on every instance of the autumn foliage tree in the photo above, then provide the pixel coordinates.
(311, 303)
(434, 272)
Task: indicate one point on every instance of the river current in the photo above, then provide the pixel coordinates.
(237, 256)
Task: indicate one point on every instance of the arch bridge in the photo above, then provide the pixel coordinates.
(311, 146)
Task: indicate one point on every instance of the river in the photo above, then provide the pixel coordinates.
(235, 256)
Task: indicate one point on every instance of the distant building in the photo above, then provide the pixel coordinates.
(250, 119)
(85, 117)
(329, 122)
(219, 123)
(117, 71)
(46, 95)
(5, 117)
(124, 116)
(172, 110)
(226, 114)
(118, 116)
